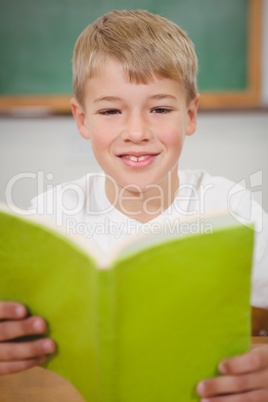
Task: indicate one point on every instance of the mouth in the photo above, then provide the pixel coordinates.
(138, 159)
(135, 158)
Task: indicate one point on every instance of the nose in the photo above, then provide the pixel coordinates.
(136, 130)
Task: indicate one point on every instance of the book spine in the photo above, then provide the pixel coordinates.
(106, 335)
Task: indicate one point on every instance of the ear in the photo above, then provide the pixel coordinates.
(80, 118)
(192, 114)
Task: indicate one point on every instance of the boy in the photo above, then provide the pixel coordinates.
(136, 100)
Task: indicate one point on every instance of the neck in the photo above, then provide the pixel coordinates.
(147, 204)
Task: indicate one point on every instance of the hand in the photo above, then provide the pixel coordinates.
(244, 379)
(18, 356)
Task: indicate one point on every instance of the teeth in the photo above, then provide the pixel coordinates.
(137, 159)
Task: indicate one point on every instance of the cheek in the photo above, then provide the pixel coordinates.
(172, 131)
(99, 142)
(100, 136)
(173, 138)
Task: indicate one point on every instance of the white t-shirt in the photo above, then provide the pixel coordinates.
(82, 207)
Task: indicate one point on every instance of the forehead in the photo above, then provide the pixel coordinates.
(111, 79)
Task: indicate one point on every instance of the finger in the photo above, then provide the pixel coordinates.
(233, 384)
(12, 310)
(260, 395)
(15, 329)
(15, 367)
(26, 350)
(255, 359)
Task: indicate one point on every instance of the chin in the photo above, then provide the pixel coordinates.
(141, 186)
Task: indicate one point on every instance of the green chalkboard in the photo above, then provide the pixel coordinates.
(38, 36)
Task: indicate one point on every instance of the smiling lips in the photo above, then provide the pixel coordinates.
(138, 160)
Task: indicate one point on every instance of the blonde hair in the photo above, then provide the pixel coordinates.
(147, 45)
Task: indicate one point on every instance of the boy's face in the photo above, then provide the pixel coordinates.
(137, 131)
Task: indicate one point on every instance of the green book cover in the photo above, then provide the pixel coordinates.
(146, 325)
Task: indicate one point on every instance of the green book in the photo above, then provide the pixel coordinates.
(148, 323)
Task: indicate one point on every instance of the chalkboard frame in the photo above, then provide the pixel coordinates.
(248, 98)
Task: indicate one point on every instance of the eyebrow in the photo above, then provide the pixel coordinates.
(108, 98)
(163, 96)
(117, 99)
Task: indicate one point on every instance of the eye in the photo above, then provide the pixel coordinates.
(108, 112)
(161, 110)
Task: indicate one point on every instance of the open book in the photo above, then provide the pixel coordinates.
(147, 325)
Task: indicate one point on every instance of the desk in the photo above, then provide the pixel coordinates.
(37, 385)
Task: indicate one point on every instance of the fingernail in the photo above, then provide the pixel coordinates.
(38, 325)
(201, 389)
(222, 368)
(20, 311)
(48, 345)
